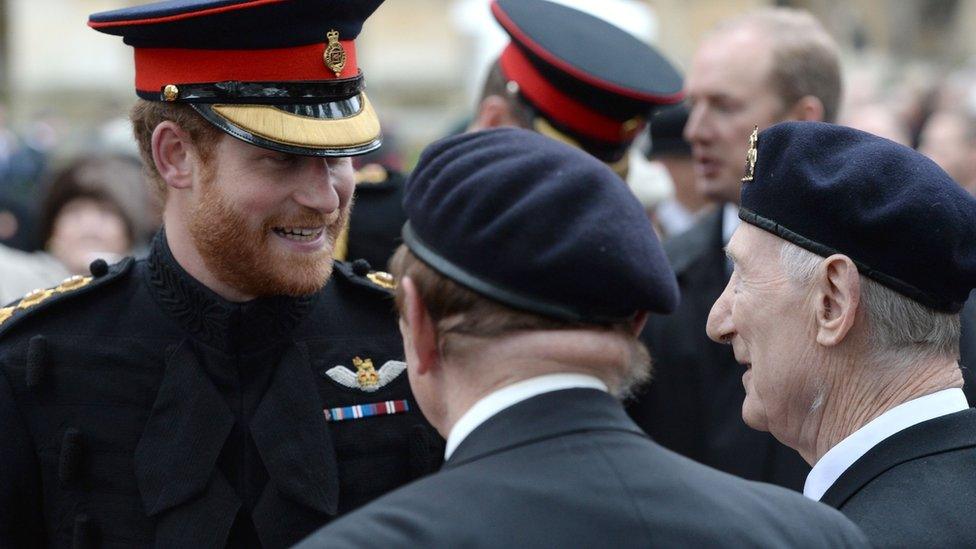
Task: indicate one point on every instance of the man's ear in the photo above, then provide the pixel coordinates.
(637, 324)
(173, 154)
(838, 295)
(808, 108)
(420, 328)
(493, 112)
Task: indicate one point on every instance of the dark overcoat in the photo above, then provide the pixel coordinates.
(570, 469)
(912, 489)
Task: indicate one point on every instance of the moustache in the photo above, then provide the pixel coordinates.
(307, 219)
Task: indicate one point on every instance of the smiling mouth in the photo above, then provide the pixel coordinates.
(299, 234)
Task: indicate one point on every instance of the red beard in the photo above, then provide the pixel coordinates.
(242, 256)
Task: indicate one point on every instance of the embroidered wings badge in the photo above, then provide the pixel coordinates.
(366, 377)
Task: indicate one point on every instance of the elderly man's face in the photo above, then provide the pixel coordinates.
(730, 93)
(266, 222)
(764, 316)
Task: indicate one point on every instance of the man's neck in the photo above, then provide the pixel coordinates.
(857, 400)
(477, 373)
(188, 256)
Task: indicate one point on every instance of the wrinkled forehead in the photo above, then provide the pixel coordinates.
(751, 245)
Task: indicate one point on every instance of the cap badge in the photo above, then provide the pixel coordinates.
(171, 92)
(335, 54)
(366, 377)
(752, 155)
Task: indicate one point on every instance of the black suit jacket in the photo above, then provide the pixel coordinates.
(915, 488)
(570, 469)
(693, 405)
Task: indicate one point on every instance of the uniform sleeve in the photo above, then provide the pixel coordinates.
(21, 523)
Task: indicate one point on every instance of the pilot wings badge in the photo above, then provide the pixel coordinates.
(366, 377)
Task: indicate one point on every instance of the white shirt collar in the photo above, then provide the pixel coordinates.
(510, 395)
(730, 221)
(839, 458)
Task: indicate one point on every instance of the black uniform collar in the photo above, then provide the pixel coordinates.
(213, 320)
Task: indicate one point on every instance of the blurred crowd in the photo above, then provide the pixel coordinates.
(925, 106)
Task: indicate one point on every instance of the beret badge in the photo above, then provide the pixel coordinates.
(752, 155)
(335, 54)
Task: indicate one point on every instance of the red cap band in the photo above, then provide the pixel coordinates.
(559, 107)
(157, 67)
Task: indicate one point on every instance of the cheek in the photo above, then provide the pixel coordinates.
(343, 180)
(63, 227)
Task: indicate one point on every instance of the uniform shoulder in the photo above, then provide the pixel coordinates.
(377, 177)
(359, 274)
(38, 302)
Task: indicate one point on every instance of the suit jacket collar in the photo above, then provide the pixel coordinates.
(702, 239)
(544, 416)
(942, 434)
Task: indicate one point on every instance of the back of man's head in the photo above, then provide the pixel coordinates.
(471, 327)
(511, 234)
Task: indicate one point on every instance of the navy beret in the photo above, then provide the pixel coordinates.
(280, 74)
(899, 217)
(537, 225)
(591, 82)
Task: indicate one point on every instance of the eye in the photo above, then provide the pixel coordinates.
(279, 158)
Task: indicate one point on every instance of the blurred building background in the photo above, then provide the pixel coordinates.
(62, 84)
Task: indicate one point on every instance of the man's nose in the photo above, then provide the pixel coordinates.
(719, 327)
(696, 129)
(317, 190)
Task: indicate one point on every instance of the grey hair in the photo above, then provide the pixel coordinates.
(900, 330)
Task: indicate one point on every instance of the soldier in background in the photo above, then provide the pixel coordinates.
(576, 78)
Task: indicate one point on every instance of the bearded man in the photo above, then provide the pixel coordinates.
(223, 391)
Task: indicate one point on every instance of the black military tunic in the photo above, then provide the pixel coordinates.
(141, 409)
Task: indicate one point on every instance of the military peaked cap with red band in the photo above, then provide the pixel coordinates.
(590, 81)
(280, 74)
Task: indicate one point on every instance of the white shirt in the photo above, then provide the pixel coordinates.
(839, 458)
(730, 221)
(510, 395)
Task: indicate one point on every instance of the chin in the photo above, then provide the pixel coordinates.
(754, 419)
(719, 192)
